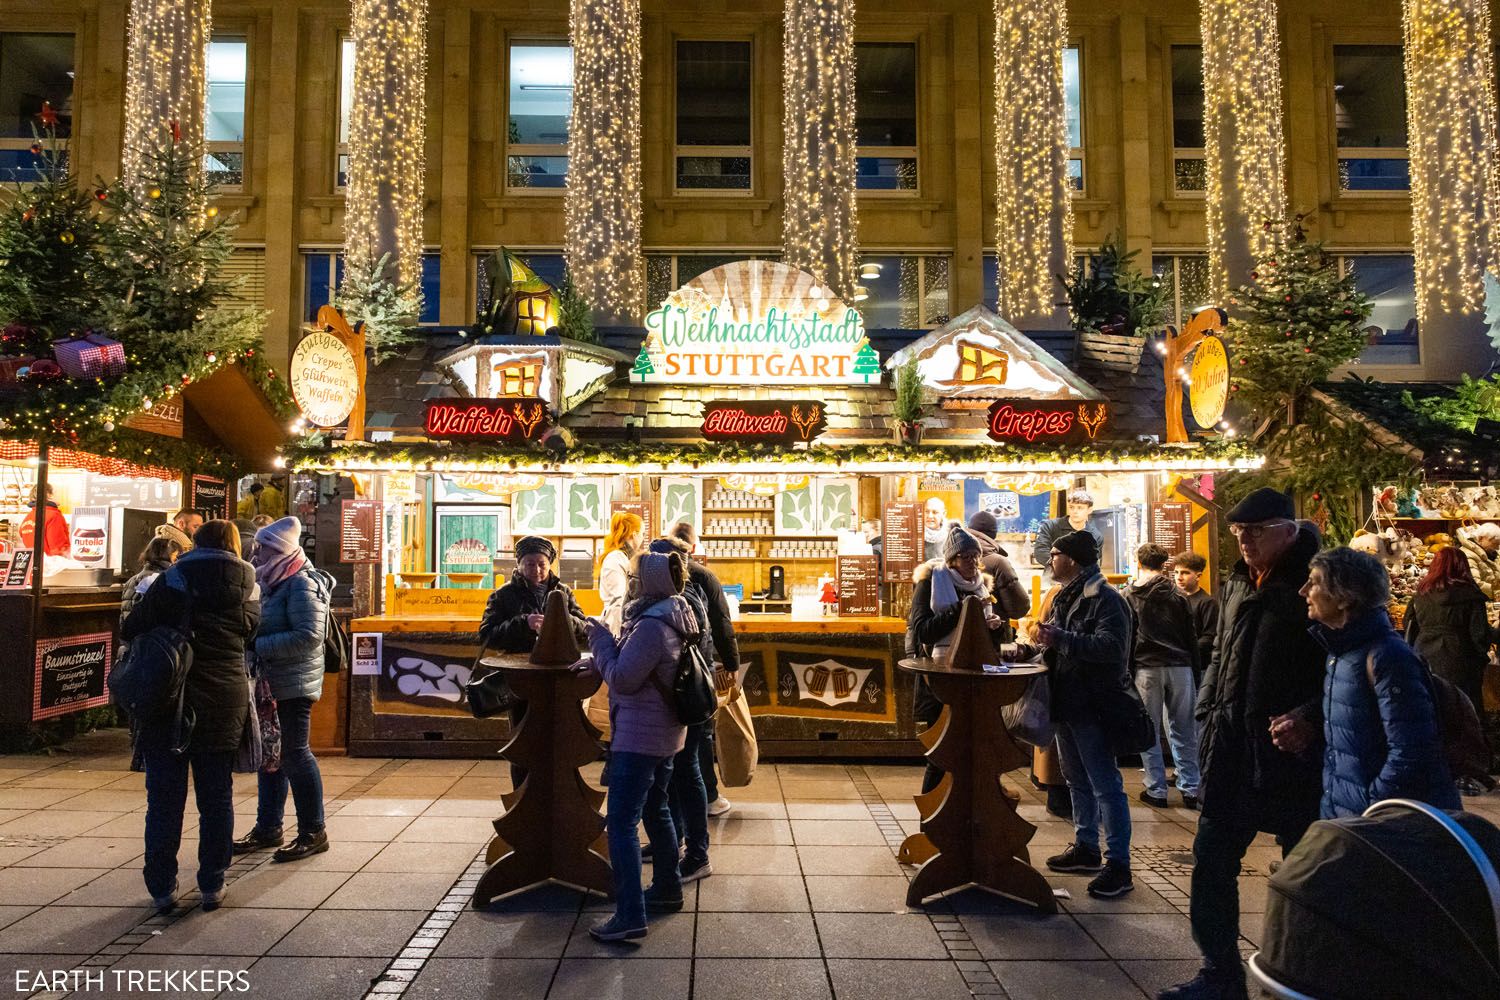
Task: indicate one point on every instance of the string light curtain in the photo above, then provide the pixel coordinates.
(603, 203)
(387, 126)
(165, 79)
(1450, 102)
(820, 231)
(1246, 161)
(1034, 199)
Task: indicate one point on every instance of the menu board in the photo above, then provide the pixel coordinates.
(859, 585)
(1172, 526)
(18, 573)
(901, 540)
(361, 531)
(640, 508)
(71, 674)
(210, 497)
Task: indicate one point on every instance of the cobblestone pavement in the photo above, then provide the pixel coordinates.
(806, 901)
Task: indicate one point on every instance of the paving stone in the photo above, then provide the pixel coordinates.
(1060, 980)
(497, 978)
(872, 979)
(68, 929)
(799, 809)
(1141, 935)
(756, 935)
(10, 914)
(346, 978)
(857, 893)
(420, 858)
(669, 935)
(336, 932)
(753, 894)
(754, 859)
(1030, 936)
(54, 821)
(479, 934)
(382, 828)
(735, 830)
(878, 935)
(621, 979)
(848, 860)
(1154, 976)
(836, 832)
(246, 931)
(1143, 899)
(384, 890)
(759, 979)
(284, 887)
(134, 975)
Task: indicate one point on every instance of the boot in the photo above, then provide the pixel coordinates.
(305, 846)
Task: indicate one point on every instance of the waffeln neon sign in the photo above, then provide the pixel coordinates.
(486, 419)
(1026, 420)
(774, 420)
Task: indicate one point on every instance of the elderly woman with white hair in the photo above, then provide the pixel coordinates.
(1481, 546)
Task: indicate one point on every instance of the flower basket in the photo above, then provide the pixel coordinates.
(1111, 351)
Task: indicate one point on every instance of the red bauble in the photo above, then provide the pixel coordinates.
(36, 149)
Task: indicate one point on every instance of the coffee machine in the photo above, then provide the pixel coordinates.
(776, 591)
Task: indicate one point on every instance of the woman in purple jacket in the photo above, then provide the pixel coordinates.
(639, 668)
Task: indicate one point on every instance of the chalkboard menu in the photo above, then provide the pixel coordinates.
(360, 531)
(210, 497)
(901, 540)
(18, 573)
(859, 585)
(641, 509)
(1172, 526)
(70, 674)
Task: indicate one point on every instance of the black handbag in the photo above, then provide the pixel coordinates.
(489, 694)
(1126, 723)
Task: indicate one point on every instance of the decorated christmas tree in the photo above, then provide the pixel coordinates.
(866, 361)
(643, 365)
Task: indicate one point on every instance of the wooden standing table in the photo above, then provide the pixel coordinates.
(971, 833)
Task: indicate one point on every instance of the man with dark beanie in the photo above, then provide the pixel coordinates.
(1086, 641)
(1260, 708)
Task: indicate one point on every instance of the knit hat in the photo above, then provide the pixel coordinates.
(1265, 504)
(176, 534)
(655, 571)
(1079, 546)
(668, 545)
(280, 537)
(531, 544)
(957, 542)
(984, 522)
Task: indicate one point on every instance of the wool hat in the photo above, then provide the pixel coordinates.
(984, 522)
(957, 542)
(176, 534)
(1265, 504)
(1079, 546)
(656, 572)
(280, 537)
(667, 545)
(531, 544)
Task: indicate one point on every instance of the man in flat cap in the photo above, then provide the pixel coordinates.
(1260, 747)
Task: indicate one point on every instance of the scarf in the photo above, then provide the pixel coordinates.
(948, 588)
(935, 536)
(272, 568)
(1062, 605)
(538, 591)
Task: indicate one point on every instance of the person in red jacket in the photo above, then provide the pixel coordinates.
(55, 538)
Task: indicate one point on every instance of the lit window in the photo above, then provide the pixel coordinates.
(324, 271)
(1189, 174)
(885, 91)
(713, 116)
(34, 68)
(905, 292)
(539, 102)
(1185, 276)
(224, 111)
(346, 108)
(1369, 111)
(1073, 96)
(1391, 331)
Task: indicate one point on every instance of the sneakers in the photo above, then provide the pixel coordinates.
(1469, 788)
(658, 901)
(719, 806)
(211, 901)
(692, 870)
(1208, 984)
(614, 929)
(1156, 801)
(1114, 881)
(164, 904)
(305, 846)
(1189, 801)
(1077, 858)
(255, 840)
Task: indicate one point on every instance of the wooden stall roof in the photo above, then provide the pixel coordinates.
(235, 413)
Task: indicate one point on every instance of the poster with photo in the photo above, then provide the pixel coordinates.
(680, 500)
(1015, 513)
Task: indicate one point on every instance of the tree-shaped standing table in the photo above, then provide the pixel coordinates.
(551, 824)
(971, 834)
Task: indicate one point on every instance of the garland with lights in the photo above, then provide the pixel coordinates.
(166, 52)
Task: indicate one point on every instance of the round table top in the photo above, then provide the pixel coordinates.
(522, 661)
(927, 665)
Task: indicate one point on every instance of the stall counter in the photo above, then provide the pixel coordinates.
(745, 624)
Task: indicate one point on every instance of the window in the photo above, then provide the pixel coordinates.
(713, 116)
(885, 94)
(34, 68)
(1185, 276)
(346, 107)
(325, 271)
(1369, 111)
(224, 111)
(540, 100)
(906, 292)
(1189, 174)
(1073, 95)
(1390, 282)
(666, 272)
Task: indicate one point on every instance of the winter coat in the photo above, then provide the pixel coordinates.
(1164, 633)
(1450, 630)
(1205, 608)
(1484, 567)
(214, 593)
(1265, 664)
(55, 538)
(614, 578)
(1380, 722)
(1091, 656)
(138, 585)
(720, 625)
(1012, 598)
(1050, 531)
(639, 669)
(504, 627)
(926, 629)
(293, 626)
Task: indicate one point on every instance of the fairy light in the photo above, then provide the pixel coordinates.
(820, 230)
(602, 208)
(165, 78)
(1034, 197)
(1450, 109)
(387, 131)
(1242, 136)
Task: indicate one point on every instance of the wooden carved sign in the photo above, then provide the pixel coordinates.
(1205, 325)
(510, 420)
(1030, 420)
(775, 421)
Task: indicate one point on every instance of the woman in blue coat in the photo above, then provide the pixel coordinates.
(295, 599)
(1380, 720)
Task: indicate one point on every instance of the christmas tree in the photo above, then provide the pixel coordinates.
(866, 361)
(643, 365)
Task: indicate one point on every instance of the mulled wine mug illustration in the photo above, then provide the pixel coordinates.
(817, 678)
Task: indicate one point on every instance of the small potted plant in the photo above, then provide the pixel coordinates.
(908, 407)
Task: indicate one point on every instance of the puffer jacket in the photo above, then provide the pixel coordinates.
(214, 593)
(1265, 664)
(504, 627)
(639, 669)
(927, 629)
(137, 585)
(1484, 569)
(1011, 597)
(1380, 722)
(293, 625)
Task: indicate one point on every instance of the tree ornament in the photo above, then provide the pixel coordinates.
(66, 238)
(154, 193)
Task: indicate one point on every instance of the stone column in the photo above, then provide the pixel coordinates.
(283, 262)
(166, 47)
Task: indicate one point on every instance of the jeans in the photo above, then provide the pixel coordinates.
(166, 796)
(1214, 907)
(688, 797)
(706, 758)
(299, 769)
(1170, 691)
(1097, 789)
(638, 786)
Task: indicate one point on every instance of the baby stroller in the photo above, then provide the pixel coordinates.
(1401, 902)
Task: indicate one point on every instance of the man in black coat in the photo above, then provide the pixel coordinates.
(1187, 573)
(1080, 506)
(1261, 714)
(1166, 647)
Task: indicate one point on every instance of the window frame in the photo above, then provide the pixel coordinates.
(679, 151)
(333, 254)
(23, 143)
(912, 153)
(1341, 153)
(1182, 153)
(1078, 152)
(924, 321)
(509, 149)
(236, 32)
(1343, 256)
(341, 148)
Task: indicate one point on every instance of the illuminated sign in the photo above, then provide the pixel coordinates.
(324, 379)
(486, 419)
(1028, 420)
(781, 421)
(1208, 381)
(755, 322)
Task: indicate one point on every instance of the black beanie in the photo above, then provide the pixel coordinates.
(1079, 546)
